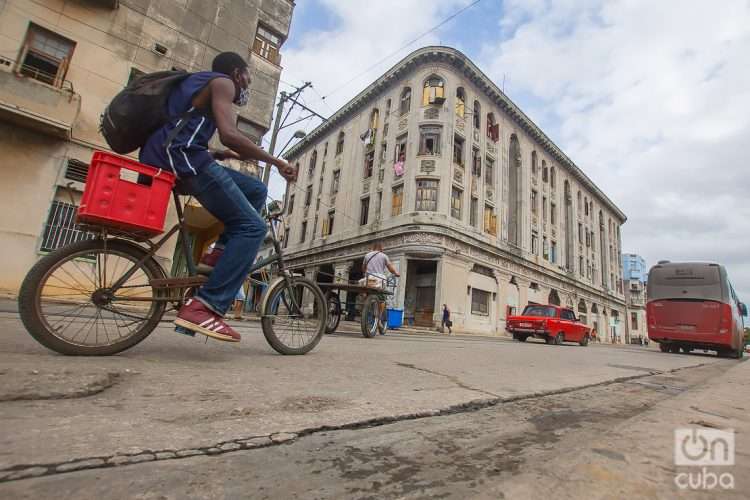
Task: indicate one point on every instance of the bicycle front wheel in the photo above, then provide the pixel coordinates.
(294, 316)
(68, 305)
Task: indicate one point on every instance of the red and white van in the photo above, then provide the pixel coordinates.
(692, 305)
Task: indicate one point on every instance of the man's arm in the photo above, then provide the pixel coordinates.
(392, 269)
(222, 96)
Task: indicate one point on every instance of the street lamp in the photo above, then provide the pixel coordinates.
(299, 134)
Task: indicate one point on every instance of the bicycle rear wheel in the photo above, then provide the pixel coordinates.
(294, 316)
(66, 305)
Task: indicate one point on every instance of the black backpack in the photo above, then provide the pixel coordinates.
(138, 110)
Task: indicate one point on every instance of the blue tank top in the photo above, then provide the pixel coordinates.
(188, 152)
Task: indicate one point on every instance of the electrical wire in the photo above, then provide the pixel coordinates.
(434, 28)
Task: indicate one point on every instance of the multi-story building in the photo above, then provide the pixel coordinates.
(61, 63)
(635, 276)
(634, 267)
(475, 205)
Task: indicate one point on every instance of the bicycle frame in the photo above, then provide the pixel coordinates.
(276, 257)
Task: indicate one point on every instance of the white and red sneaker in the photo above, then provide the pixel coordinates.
(198, 318)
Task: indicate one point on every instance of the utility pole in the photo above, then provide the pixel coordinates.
(278, 123)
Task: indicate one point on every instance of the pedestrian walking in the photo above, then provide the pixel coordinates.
(446, 320)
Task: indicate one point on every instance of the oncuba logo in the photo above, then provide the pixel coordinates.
(704, 448)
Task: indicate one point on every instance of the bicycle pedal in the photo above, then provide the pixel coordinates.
(184, 331)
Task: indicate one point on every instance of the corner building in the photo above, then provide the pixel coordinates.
(484, 212)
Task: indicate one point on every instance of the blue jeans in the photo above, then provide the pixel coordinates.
(236, 200)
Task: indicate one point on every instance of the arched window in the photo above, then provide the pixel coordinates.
(493, 129)
(578, 199)
(405, 104)
(340, 143)
(552, 177)
(374, 119)
(545, 172)
(477, 115)
(533, 163)
(313, 161)
(553, 298)
(434, 91)
(460, 102)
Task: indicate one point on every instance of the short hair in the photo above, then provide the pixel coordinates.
(227, 62)
(377, 245)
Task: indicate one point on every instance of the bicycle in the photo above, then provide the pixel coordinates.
(113, 284)
(374, 313)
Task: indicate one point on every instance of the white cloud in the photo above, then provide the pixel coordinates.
(651, 99)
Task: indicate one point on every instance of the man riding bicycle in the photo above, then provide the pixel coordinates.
(230, 196)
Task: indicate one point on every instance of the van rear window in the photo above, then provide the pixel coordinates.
(689, 281)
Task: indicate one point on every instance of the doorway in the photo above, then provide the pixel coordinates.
(419, 303)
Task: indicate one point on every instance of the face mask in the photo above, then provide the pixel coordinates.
(243, 98)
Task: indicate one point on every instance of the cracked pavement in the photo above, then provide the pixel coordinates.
(173, 398)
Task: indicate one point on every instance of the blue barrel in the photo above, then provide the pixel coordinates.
(395, 318)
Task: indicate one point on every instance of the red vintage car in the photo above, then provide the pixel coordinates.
(552, 323)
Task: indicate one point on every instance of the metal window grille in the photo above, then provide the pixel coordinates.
(61, 228)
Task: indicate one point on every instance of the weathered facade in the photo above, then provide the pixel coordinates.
(635, 275)
(475, 205)
(61, 61)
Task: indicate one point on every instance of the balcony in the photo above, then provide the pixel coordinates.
(34, 105)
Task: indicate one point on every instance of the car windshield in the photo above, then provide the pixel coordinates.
(543, 311)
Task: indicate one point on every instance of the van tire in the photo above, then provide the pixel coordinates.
(664, 347)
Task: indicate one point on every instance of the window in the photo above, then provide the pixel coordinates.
(634, 320)
(533, 163)
(456, 202)
(552, 177)
(267, 44)
(400, 149)
(397, 201)
(477, 115)
(45, 56)
(580, 266)
(585, 206)
(552, 214)
(374, 119)
(476, 163)
(427, 192)
(568, 315)
(340, 143)
(387, 109)
(383, 152)
(545, 172)
(578, 205)
(553, 252)
(331, 219)
(580, 233)
(364, 210)
(534, 209)
(313, 161)
(458, 151)
(489, 171)
(544, 209)
(308, 196)
(588, 239)
(405, 103)
(429, 140)
(460, 102)
(545, 248)
(473, 212)
(325, 149)
(490, 220)
(480, 302)
(493, 129)
(291, 205)
(434, 91)
(303, 232)
(61, 229)
(335, 182)
(369, 163)
(534, 243)
(385, 130)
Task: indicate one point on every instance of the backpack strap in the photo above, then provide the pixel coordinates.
(370, 259)
(183, 120)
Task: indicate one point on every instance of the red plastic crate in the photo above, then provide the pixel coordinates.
(118, 195)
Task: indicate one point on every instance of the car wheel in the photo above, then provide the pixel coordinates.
(559, 339)
(585, 341)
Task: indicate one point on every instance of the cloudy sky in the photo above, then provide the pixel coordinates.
(651, 99)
